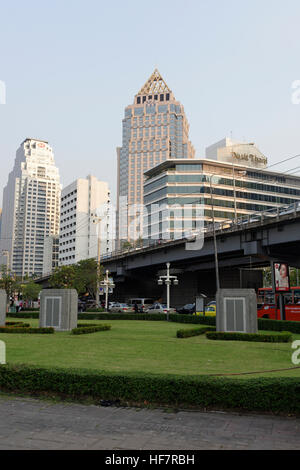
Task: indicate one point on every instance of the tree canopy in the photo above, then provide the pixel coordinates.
(82, 276)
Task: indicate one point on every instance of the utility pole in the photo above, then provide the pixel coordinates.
(97, 221)
(214, 235)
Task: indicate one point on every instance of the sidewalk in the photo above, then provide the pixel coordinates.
(33, 424)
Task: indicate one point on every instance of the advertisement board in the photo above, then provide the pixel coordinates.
(281, 277)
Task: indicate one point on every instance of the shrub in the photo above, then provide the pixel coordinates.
(93, 329)
(273, 394)
(195, 319)
(24, 315)
(194, 332)
(279, 325)
(94, 309)
(263, 323)
(122, 316)
(285, 337)
(17, 324)
(30, 309)
(26, 330)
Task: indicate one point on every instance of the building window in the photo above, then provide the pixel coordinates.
(161, 97)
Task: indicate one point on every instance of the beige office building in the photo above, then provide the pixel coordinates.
(155, 129)
(31, 204)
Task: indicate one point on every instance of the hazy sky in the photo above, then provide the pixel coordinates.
(71, 67)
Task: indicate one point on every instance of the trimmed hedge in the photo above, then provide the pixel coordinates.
(122, 316)
(30, 309)
(260, 394)
(24, 315)
(99, 310)
(26, 330)
(279, 325)
(17, 324)
(93, 329)
(263, 323)
(194, 319)
(285, 337)
(194, 332)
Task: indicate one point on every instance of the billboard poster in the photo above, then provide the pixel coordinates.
(281, 276)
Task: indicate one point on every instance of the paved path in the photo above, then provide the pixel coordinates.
(32, 424)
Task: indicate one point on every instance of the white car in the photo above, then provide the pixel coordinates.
(121, 308)
(159, 308)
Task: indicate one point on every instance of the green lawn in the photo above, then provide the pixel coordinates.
(145, 346)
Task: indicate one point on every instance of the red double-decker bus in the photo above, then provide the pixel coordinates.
(268, 304)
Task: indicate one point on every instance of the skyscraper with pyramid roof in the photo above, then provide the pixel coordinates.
(155, 129)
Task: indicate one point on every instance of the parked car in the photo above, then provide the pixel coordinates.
(112, 304)
(142, 303)
(187, 309)
(210, 311)
(121, 308)
(159, 308)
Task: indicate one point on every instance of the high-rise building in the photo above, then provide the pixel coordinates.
(155, 129)
(86, 221)
(51, 252)
(31, 203)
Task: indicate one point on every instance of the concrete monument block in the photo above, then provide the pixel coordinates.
(59, 309)
(3, 305)
(236, 310)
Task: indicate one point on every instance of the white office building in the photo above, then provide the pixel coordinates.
(51, 252)
(31, 205)
(86, 224)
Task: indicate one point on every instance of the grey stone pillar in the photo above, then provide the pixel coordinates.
(236, 310)
(59, 309)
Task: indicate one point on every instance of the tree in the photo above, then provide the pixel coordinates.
(82, 276)
(87, 276)
(294, 277)
(8, 281)
(30, 290)
(267, 277)
(139, 243)
(63, 277)
(126, 245)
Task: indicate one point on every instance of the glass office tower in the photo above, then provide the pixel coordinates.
(155, 129)
(182, 196)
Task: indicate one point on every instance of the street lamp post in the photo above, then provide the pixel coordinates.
(107, 284)
(168, 281)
